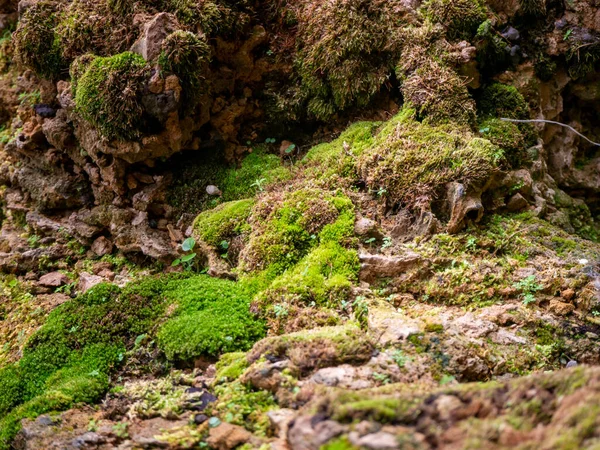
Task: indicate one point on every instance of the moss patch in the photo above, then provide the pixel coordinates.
(460, 17)
(107, 94)
(225, 222)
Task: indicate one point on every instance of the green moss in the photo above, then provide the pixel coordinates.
(187, 56)
(231, 366)
(256, 171)
(493, 53)
(107, 94)
(325, 277)
(213, 17)
(347, 50)
(413, 162)
(223, 223)
(36, 44)
(212, 318)
(240, 405)
(460, 17)
(316, 348)
(439, 95)
(332, 164)
(284, 230)
(341, 443)
(503, 101)
(508, 137)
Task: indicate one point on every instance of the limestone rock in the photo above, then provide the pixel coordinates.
(155, 31)
(227, 436)
(102, 246)
(88, 281)
(54, 279)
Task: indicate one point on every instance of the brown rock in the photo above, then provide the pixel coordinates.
(149, 45)
(516, 203)
(88, 281)
(227, 436)
(102, 246)
(54, 279)
(561, 308)
(568, 294)
(380, 266)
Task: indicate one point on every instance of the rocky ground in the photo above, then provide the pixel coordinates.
(299, 225)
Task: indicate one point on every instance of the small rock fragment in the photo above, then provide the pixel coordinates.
(88, 281)
(561, 308)
(213, 190)
(102, 246)
(227, 436)
(54, 279)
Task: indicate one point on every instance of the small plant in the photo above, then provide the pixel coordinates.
(471, 243)
(381, 378)
(568, 34)
(92, 425)
(361, 311)
(259, 184)
(30, 98)
(387, 243)
(370, 241)
(270, 140)
(290, 149)
(528, 287)
(381, 192)
(281, 310)
(66, 289)
(121, 430)
(187, 261)
(34, 241)
(400, 358)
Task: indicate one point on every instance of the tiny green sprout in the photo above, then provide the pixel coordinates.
(270, 140)
(290, 149)
(484, 130)
(187, 260)
(370, 240)
(259, 184)
(387, 242)
(381, 192)
(568, 34)
(188, 244)
(471, 243)
(224, 245)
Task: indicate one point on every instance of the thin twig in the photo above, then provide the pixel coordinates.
(554, 123)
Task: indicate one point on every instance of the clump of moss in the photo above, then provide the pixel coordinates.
(412, 162)
(107, 94)
(324, 276)
(533, 7)
(284, 229)
(493, 53)
(332, 165)
(501, 100)
(220, 17)
(186, 55)
(583, 55)
(226, 221)
(256, 171)
(231, 366)
(212, 318)
(439, 95)
(460, 17)
(508, 137)
(36, 44)
(347, 52)
(91, 26)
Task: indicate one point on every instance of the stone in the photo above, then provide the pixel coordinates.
(516, 203)
(54, 279)
(572, 363)
(446, 406)
(381, 266)
(311, 432)
(280, 420)
(88, 281)
(561, 308)
(568, 294)
(378, 441)
(213, 190)
(102, 246)
(367, 227)
(155, 31)
(227, 436)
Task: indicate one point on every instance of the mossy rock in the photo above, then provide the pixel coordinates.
(508, 137)
(224, 223)
(412, 162)
(316, 348)
(323, 277)
(36, 44)
(285, 228)
(212, 317)
(460, 17)
(347, 50)
(107, 93)
(503, 101)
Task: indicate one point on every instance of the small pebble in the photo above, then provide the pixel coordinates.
(213, 190)
(572, 364)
